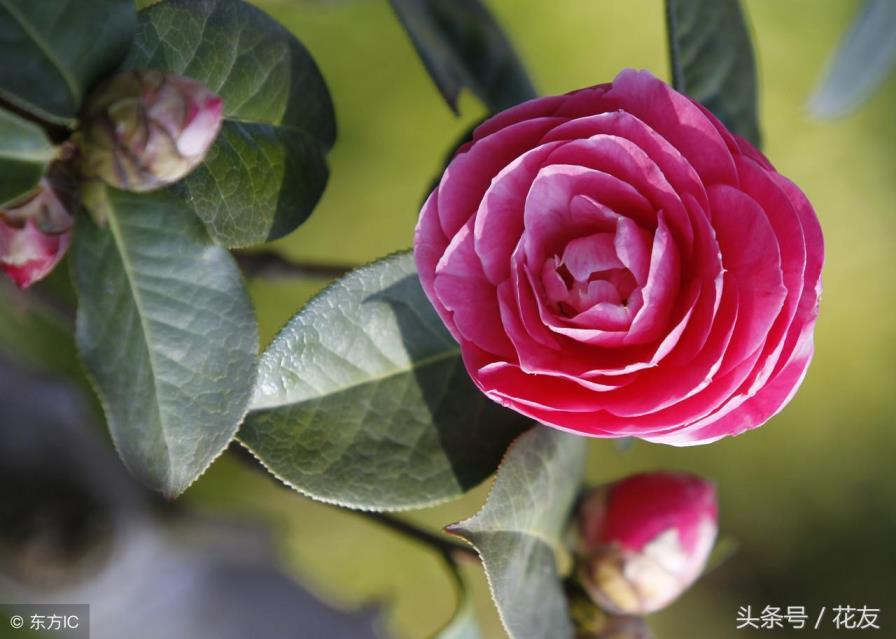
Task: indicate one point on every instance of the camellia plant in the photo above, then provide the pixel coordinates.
(620, 261)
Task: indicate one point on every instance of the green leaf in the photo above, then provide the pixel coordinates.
(712, 61)
(53, 52)
(363, 400)
(865, 58)
(463, 624)
(25, 153)
(267, 169)
(462, 45)
(519, 532)
(167, 332)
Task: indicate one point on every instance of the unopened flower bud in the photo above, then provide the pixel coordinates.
(35, 232)
(146, 129)
(644, 540)
(27, 254)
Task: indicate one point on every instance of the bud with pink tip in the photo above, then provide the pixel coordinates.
(644, 540)
(146, 129)
(35, 232)
(27, 254)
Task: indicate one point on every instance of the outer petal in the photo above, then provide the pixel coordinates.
(429, 246)
(471, 172)
(753, 412)
(678, 119)
(528, 110)
(461, 287)
(751, 254)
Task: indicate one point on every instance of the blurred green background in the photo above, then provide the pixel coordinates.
(810, 498)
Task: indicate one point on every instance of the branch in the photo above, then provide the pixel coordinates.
(272, 265)
(448, 548)
(57, 132)
(445, 546)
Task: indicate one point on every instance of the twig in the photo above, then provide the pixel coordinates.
(447, 547)
(56, 131)
(272, 265)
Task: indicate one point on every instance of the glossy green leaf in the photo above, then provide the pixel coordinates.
(25, 153)
(463, 624)
(462, 45)
(167, 332)
(267, 169)
(712, 61)
(519, 532)
(54, 51)
(863, 61)
(363, 400)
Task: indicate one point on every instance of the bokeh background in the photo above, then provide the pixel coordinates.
(810, 498)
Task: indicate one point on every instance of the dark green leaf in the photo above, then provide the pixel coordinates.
(864, 60)
(267, 170)
(167, 332)
(712, 61)
(462, 45)
(25, 153)
(519, 532)
(54, 51)
(363, 400)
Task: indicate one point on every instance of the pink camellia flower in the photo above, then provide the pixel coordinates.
(644, 540)
(147, 129)
(614, 262)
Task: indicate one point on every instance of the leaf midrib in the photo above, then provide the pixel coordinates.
(416, 365)
(29, 30)
(304, 129)
(131, 276)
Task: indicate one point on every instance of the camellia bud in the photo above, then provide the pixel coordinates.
(27, 254)
(35, 231)
(644, 540)
(146, 129)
